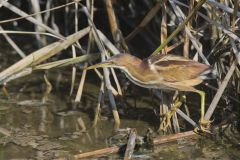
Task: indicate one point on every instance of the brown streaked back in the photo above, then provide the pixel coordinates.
(176, 68)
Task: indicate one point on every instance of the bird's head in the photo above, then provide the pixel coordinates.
(118, 61)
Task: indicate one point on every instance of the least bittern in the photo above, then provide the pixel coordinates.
(166, 72)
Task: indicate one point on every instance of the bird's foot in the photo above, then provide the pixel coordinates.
(204, 127)
(165, 122)
(167, 118)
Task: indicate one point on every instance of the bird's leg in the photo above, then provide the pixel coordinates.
(204, 124)
(167, 118)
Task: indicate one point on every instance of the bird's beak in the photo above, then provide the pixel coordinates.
(98, 65)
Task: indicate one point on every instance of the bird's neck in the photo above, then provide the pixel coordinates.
(136, 70)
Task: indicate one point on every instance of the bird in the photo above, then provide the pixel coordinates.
(163, 71)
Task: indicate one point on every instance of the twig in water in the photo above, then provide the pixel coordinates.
(130, 145)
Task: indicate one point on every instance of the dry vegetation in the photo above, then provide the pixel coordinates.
(204, 30)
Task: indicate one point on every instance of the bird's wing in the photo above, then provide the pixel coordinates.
(165, 58)
(175, 68)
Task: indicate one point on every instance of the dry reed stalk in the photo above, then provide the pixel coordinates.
(195, 42)
(112, 19)
(180, 27)
(186, 37)
(30, 33)
(96, 153)
(223, 7)
(174, 137)
(90, 5)
(213, 28)
(108, 43)
(163, 31)
(105, 70)
(145, 20)
(81, 84)
(175, 45)
(99, 104)
(116, 33)
(29, 18)
(42, 54)
(119, 90)
(220, 91)
(8, 5)
(13, 44)
(47, 14)
(175, 117)
(36, 9)
(65, 62)
(224, 83)
(74, 70)
(227, 31)
(130, 145)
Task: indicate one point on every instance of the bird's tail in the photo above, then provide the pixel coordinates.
(211, 73)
